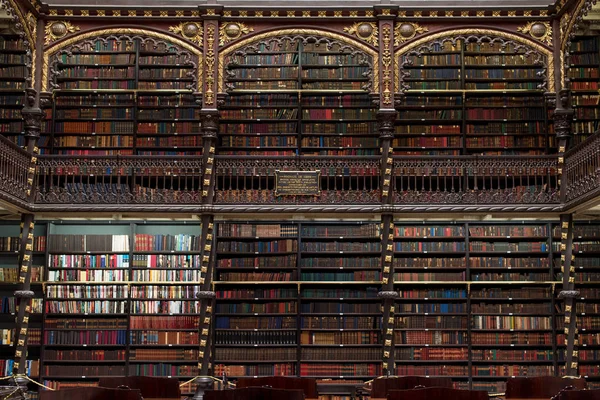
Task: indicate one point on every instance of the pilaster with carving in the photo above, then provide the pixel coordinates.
(206, 296)
(387, 294)
(211, 16)
(563, 117)
(386, 17)
(569, 294)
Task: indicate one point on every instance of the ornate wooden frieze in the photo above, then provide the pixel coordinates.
(230, 31)
(191, 31)
(539, 54)
(541, 31)
(192, 54)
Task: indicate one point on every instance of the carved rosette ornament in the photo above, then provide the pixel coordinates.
(191, 31)
(230, 31)
(366, 31)
(541, 31)
(56, 30)
(407, 31)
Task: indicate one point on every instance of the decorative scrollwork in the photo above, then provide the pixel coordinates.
(230, 31)
(366, 31)
(541, 31)
(56, 30)
(407, 31)
(388, 294)
(189, 30)
(568, 294)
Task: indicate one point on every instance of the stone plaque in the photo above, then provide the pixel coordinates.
(297, 183)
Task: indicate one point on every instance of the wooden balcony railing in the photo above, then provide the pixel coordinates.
(14, 164)
(119, 180)
(427, 180)
(475, 180)
(344, 180)
(582, 171)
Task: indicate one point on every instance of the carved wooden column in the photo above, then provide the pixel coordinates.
(387, 294)
(563, 116)
(386, 117)
(23, 299)
(568, 293)
(209, 117)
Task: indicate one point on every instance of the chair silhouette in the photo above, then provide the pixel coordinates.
(381, 386)
(90, 393)
(150, 386)
(540, 387)
(579, 395)
(437, 393)
(254, 393)
(307, 385)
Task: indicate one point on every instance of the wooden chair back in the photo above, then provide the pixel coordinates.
(150, 386)
(540, 387)
(307, 385)
(381, 386)
(437, 393)
(254, 393)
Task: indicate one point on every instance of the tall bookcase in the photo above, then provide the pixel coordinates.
(583, 75)
(294, 96)
(9, 282)
(13, 57)
(118, 96)
(120, 300)
(475, 97)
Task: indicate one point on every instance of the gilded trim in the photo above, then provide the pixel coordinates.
(311, 32)
(23, 21)
(51, 50)
(483, 32)
(569, 26)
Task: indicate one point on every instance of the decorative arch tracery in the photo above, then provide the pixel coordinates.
(539, 55)
(329, 40)
(192, 55)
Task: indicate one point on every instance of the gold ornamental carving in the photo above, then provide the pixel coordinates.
(541, 31)
(480, 32)
(56, 30)
(386, 62)
(230, 31)
(366, 31)
(407, 31)
(300, 31)
(192, 31)
(209, 63)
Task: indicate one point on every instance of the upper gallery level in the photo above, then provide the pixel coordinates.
(226, 109)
